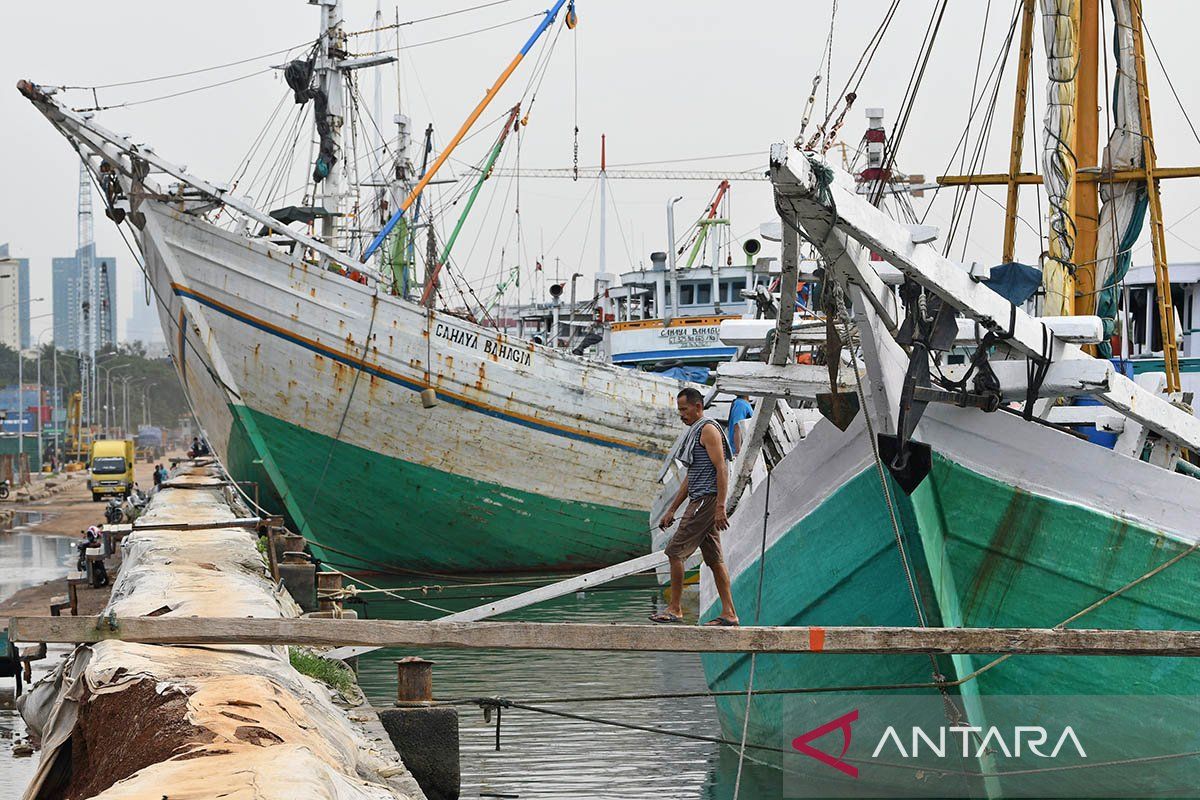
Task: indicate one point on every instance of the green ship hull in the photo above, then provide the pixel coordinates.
(981, 553)
(367, 511)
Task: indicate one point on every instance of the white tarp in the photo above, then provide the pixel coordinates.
(262, 729)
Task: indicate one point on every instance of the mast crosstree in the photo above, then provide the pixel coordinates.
(1083, 218)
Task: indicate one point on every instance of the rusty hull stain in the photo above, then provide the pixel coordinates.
(1005, 553)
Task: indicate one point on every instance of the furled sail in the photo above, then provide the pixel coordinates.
(1123, 208)
(1060, 29)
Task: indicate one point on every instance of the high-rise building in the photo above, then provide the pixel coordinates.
(14, 300)
(142, 325)
(69, 303)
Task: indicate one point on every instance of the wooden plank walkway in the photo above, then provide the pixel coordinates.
(615, 637)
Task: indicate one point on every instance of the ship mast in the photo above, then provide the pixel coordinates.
(1082, 206)
(327, 69)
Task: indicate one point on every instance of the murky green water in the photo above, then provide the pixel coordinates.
(543, 756)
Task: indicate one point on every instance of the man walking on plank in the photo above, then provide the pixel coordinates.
(704, 453)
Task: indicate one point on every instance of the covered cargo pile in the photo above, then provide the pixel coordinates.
(122, 720)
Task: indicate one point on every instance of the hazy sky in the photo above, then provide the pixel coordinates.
(665, 80)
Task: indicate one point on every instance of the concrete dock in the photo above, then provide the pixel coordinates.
(126, 720)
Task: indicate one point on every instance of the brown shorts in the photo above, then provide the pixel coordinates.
(697, 528)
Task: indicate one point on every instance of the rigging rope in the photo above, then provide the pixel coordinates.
(132, 103)
(762, 565)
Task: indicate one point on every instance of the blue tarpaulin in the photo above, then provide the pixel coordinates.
(693, 374)
(1015, 282)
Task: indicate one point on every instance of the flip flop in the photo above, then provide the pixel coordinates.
(664, 618)
(721, 622)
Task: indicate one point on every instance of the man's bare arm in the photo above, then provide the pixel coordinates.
(710, 437)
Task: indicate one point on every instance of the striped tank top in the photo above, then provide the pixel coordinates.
(702, 474)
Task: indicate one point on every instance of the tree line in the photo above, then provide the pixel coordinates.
(165, 401)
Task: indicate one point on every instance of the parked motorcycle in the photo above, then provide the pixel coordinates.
(113, 512)
(91, 538)
(4, 489)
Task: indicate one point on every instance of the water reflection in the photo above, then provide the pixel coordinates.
(25, 560)
(543, 756)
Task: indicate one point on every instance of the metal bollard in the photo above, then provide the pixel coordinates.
(329, 583)
(414, 680)
(425, 736)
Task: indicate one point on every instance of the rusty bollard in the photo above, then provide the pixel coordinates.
(329, 588)
(414, 680)
(425, 736)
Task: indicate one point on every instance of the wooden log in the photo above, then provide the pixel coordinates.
(587, 636)
(1092, 376)
(804, 381)
(241, 522)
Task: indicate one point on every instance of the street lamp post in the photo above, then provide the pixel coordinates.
(125, 402)
(41, 391)
(146, 408)
(108, 393)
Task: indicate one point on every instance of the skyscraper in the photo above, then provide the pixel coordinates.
(142, 325)
(14, 300)
(69, 302)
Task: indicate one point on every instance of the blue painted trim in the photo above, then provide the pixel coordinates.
(391, 377)
(703, 352)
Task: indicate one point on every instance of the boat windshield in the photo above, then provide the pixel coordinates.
(108, 466)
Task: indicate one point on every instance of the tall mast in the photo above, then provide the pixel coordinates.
(1018, 131)
(491, 93)
(329, 80)
(1060, 31)
(1166, 308)
(1086, 204)
(603, 207)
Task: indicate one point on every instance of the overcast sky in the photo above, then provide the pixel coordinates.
(665, 80)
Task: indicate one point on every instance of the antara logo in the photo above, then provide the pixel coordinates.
(801, 743)
(1024, 739)
(990, 739)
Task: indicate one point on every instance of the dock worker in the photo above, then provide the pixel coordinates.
(740, 409)
(158, 479)
(704, 452)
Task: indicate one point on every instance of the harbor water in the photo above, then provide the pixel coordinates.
(540, 756)
(26, 559)
(544, 756)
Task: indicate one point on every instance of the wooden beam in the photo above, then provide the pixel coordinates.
(1099, 416)
(1085, 376)
(802, 381)
(753, 332)
(241, 522)
(539, 595)
(781, 353)
(1076, 330)
(1029, 178)
(620, 637)
(1028, 336)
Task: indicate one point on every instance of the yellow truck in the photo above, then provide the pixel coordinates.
(110, 468)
